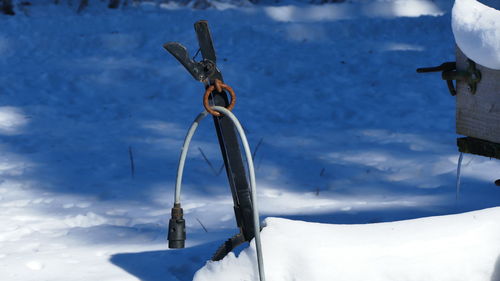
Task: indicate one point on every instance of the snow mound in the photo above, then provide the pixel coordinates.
(477, 31)
(453, 247)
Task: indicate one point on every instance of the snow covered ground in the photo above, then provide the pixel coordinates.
(349, 132)
(455, 247)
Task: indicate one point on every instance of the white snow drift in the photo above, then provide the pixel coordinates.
(477, 31)
(446, 248)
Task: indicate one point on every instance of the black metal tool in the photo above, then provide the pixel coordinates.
(206, 71)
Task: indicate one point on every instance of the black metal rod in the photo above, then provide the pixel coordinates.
(235, 169)
(228, 141)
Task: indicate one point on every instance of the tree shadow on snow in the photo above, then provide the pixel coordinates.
(496, 271)
(165, 265)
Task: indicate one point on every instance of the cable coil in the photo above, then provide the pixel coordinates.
(251, 170)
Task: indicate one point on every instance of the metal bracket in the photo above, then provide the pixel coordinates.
(478, 147)
(471, 76)
(449, 73)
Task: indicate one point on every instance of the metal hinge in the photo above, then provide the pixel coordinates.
(449, 72)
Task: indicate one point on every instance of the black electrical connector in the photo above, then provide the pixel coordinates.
(176, 228)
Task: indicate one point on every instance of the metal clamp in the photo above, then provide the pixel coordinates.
(449, 72)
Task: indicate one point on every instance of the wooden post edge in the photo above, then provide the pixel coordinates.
(478, 147)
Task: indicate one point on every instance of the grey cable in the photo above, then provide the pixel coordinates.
(251, 171)
(184, 151)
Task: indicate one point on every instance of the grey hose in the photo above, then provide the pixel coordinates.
(251, 171)
(184, 151)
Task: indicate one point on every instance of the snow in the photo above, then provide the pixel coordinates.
(455, 247)
(354, 9)
(476, 27)
(350, 133)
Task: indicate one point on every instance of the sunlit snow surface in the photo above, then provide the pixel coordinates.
(455, 247)
(349, 132)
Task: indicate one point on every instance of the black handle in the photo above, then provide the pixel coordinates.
(443, 67)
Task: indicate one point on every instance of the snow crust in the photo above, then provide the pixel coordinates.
(476, 27)
(445, 248)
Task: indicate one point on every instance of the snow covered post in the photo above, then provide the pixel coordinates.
(478, 114)
(476, 28)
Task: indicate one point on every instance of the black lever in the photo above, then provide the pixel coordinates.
(444, 68)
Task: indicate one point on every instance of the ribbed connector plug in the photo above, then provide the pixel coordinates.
(176, 228)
